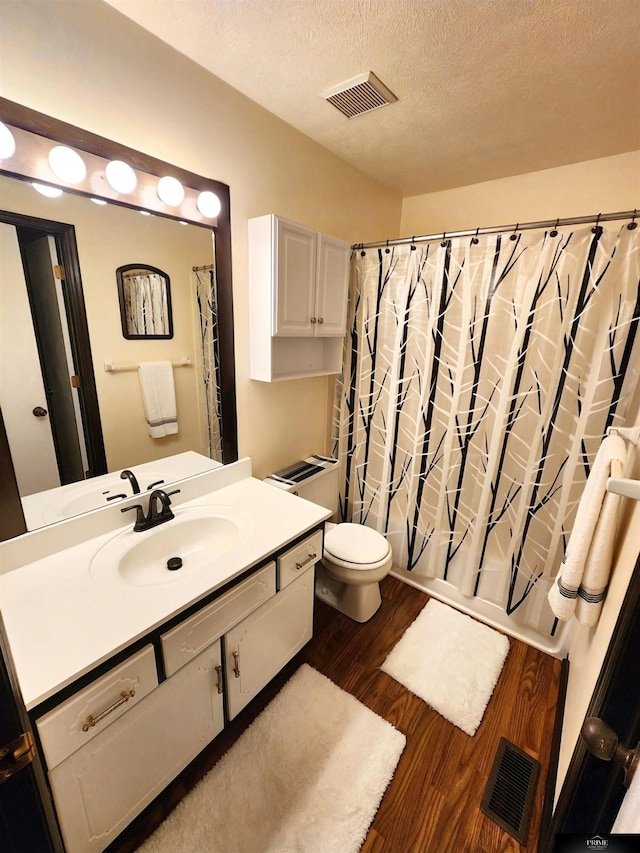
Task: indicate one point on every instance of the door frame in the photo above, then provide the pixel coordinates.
(616, 700)
(67, 248)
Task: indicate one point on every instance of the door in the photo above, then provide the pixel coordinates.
(27, 823)
(295, 275)
(331, 287)
(21, 387)
(258, 648)
(52, 335)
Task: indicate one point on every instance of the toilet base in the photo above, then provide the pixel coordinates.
(358, 602)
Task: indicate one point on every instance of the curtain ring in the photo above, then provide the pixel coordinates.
(633, 224)
(554, 232)
(595, 228)
(444, 240)
(387, 250)
(413, 240)
(474, 239)
(514, 236)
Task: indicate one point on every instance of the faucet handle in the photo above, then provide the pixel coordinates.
(140, 522)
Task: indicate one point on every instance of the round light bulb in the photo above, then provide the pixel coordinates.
(120, 176)
(67, 164)
(170, 191)
(46, 190)
(208, 204)
(7, 142)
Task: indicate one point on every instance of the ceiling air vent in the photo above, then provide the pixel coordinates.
(360, 95)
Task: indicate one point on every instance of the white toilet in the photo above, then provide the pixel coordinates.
(355, 557)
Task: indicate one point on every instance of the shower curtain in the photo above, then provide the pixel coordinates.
(207, 305)
(480, 375)
(146, 305)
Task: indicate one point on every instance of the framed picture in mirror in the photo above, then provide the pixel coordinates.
(144, 293)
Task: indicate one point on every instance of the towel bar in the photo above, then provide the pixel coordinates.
(110, 367)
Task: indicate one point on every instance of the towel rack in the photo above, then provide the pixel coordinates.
(110, 367)
(618, 484)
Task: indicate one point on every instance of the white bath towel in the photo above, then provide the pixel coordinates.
(159, 398)
(584, 573)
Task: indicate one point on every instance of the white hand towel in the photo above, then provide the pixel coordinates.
(585, 570)
(159, 398)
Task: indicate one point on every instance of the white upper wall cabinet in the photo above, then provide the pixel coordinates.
(298, 282)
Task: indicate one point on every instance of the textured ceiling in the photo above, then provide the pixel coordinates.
(486, 88)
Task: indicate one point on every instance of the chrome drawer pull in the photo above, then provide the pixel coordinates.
(93, 721)
(219, 684)
(308, 560)
(236, 664)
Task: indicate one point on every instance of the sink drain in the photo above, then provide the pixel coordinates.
(174, 563)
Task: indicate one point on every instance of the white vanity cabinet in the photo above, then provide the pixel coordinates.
(99, 788)
(258, 648)
(298, 281)
(114, 745)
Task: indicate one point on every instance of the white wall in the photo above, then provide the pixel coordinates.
(607, 185)
(86, 64)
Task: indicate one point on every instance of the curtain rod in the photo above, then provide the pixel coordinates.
(202, 269)
(497, 229)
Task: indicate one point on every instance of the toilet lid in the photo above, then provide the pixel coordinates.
(356, 543)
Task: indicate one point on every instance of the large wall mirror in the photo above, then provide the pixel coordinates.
(77, 242)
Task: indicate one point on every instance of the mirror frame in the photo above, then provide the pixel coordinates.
(122, 298)
(68, 134)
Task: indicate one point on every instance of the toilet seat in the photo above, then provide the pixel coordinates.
(356, 547)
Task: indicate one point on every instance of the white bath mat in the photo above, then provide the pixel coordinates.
(307, 776)
(451, 661)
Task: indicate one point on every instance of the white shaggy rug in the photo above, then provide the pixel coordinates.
(451, 661)
(307, 776)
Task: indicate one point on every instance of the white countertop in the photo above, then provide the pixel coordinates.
(62, 622)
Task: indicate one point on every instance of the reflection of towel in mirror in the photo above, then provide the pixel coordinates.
(581, 585)
(158, 397)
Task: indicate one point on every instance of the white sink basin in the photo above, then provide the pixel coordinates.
(197, 538)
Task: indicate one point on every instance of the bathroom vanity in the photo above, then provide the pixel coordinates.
(128, 669)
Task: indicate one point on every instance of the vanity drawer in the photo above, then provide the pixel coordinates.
(190, 637)
(298, 559)
(61, 730)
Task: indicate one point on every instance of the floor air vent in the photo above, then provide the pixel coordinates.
(508, 797)
(360, 95)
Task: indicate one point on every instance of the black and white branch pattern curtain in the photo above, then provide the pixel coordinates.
(207, 303)
(480, 376)
(146, 306)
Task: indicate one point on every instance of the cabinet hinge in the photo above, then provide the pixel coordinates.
(58, 272)
(75, 381)
(16, 755)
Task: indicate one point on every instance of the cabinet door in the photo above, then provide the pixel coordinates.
(258, 648)
(295, 274)
(101, 787)
(332, 286)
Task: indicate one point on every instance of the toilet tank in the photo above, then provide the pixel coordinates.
(315, 479)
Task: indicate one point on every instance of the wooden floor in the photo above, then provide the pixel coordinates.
(433, 802)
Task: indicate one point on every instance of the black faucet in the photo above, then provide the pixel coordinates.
(154, 516)
(131, 477)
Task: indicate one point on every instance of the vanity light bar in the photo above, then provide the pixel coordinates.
(31, 161)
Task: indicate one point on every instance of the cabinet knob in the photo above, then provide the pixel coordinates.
(320, 320)
(313, 320)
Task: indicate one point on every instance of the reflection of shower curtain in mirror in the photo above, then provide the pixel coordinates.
(146, 304)
(207, 302)
(479, 379)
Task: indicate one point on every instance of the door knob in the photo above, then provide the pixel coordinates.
(601, 741)
(39, 412)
